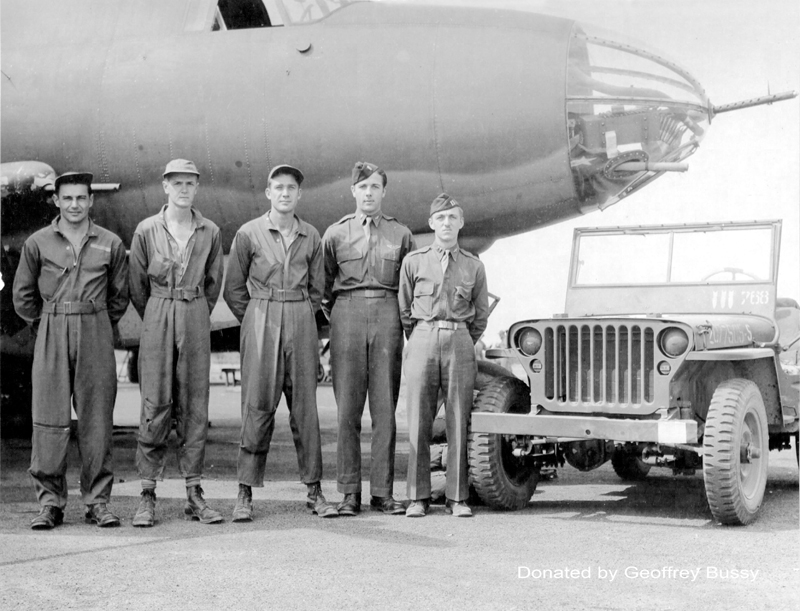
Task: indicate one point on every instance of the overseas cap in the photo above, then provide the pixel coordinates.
(286, 169)
(181, 166)
(74, 178)
(443, 202)
(363, 170)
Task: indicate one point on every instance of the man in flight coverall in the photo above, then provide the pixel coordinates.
(72, 285)
(274, 288)
(175, 280)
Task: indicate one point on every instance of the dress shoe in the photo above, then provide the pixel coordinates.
(316, 502)
(146, 514)
(197, 509)
(243, 512)
(350, 505)
(49, 517)
(459, 509)
(417, 509)
(387, 504)
(100, 514)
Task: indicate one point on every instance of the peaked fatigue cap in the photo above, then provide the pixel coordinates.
(286, 169)
(443, 202)
(74, 178)
(363, 170)
(181, 166)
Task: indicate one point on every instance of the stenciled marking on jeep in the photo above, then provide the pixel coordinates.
(730, 335)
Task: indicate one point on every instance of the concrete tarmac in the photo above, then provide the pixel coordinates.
(586, 540)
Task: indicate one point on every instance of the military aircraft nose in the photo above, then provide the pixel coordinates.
(632, 114)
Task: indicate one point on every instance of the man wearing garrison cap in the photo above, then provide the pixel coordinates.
(175, 280)
(72, 286)
(444, 307)
(362, 253)
(274, 288)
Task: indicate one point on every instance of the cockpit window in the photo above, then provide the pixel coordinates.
(241, 14)
(632, 114)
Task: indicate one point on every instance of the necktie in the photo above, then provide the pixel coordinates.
(445, 260)
(365, 223)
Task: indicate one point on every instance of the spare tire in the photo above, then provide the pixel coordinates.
(501, 480)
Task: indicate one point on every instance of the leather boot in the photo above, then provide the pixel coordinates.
(100, 514)
(243, 512)
(350, 505)
(49, 517)
(197, 509)
(316, 502)
(146, 514)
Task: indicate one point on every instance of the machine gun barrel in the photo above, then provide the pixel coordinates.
(766, 99)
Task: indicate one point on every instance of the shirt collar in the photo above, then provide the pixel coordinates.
(92, 231)
(197, 219)
(440, 251)
(297, 226)
(376, 218)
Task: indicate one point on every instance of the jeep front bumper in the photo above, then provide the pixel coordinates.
(587, 427)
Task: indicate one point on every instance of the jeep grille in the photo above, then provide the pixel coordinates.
(610, 365)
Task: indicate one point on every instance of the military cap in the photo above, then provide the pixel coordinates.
(181, 166)
(363, 170)
(443, 202)
(74, 178)
(286, 169)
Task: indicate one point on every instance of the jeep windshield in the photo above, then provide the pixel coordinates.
(709, 254)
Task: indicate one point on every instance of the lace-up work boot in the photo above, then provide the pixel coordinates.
(49, 517)
(418, 509)
(243, 512)
(317, 504)
(146, 514)
(197, 509)
(387, 504)
(100, 514)
(458, 509)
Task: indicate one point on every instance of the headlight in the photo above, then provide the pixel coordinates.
(673, 341)
(529, 341)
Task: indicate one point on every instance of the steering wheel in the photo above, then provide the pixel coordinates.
(732, 271)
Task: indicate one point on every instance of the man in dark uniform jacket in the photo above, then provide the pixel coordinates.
(362, 254)
(444, 306)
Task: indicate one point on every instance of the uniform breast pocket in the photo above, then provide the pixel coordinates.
(423, 297)
(389, 263)
(348, 258)
(52, 275)
(263, 267)
(462, 300)
(159, 269)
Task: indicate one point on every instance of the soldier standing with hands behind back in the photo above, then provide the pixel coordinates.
(175, 280)
(444, 306)
(71, 284)
(274, 287)
(363, 253)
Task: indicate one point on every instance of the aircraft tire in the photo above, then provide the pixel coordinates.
(736, 428)
(501, 480)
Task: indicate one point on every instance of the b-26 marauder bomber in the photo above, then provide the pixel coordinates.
(527, 119)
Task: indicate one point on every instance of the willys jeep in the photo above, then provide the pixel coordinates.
(674, 352)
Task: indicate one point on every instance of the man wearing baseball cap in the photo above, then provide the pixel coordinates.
(274, 287)
(363, 252)
(175, 280)
(72, 286)
(444, 306)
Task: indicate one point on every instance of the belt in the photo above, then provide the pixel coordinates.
(72, 307)
(366, 294)
(280, 294)
(176, 294)
(442, 324)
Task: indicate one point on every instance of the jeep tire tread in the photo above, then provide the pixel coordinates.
(736, 419)
(501, 480)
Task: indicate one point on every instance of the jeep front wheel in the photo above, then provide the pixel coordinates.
(735, 452)
(502, 480)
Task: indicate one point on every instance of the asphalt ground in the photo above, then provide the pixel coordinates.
(586, 540)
